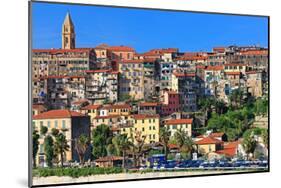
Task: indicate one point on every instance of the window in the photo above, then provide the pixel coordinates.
(56, 123)
(143, 129)
(63, 124)
(41, 123)
(49, 124)
(143, 121)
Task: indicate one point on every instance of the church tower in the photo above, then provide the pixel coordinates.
(68, 33)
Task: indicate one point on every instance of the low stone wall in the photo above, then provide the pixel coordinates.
(122, 176)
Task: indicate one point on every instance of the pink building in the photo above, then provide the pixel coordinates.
(170, 102)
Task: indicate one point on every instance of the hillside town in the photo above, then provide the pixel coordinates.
(110, 106)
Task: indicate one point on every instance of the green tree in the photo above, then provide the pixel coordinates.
(49, 150)
(165, 135)
(61, 146)
(100, 140)
(123, 144)
(236, 98)
(184, 141)
(249, 144)
(43, 130)
(81, 146)
(35, 145)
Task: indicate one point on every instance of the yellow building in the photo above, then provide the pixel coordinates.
(72, 123)
(176, 124)
(148, 125)
(131, 79)
(208, 144)
(91, 110)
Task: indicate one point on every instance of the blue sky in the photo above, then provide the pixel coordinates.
(145, 29)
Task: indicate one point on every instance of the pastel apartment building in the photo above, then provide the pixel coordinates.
(173, 125)
(71, 123)
(148, 125)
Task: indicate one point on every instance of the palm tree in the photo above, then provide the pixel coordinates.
(184, 141)
(123, 144)
(81, 146)
(165, 135)
(35, 144)
(249, 144)
(61, 146)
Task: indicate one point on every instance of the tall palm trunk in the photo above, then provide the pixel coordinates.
(123, 162)
(61, 157)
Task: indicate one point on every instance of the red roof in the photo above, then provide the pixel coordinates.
(145, 116)
(57, 114)
(148, 104)
(121, 48)
(219, 49)
(184, 74)
(232, 73)
(92, 107)
(57, 51)
(218, 134)
(173, 146)
(214, 68)
(254, 52)
(117, 106)
(230, 149)
(178, 121)
(208, 140)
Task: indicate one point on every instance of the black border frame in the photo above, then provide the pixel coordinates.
(130, 7)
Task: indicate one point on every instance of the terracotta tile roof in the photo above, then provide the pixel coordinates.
(145, 116)
(92, 107)
(109, 158)
(254, 52)
(57, 114)
(214, 68)
(57, 51)
(184, 74)
(148, 104)
(208, 140)
(232, 73)
(121, 48)
(178, 121)
(219, 49)
(117, 106)
(173, 146)
(133, 61)
(230, 149)
(218, 134)
(192, 58)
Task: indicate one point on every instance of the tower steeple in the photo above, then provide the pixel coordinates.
(68, 33)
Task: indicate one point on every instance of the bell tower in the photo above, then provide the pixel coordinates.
(68, 33)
